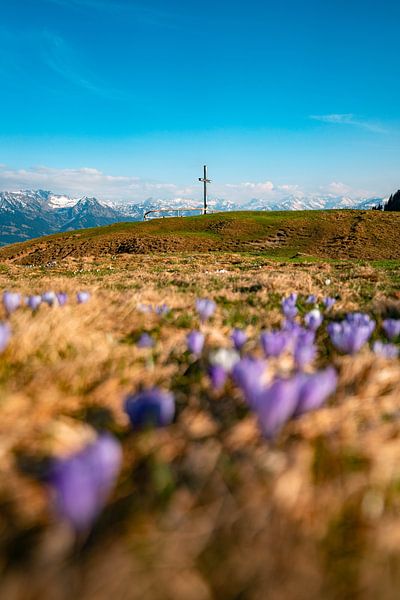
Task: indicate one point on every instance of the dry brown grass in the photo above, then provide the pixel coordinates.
(205, 509)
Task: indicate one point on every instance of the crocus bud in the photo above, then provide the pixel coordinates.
(82, 297)
(34, 302)
(273, 342)
(218, 376)
(205, 308)
(11, 301)
(145, 341)
(62, 298)
(195, 342)
(50, 298)
(328, 302)
(392, 328)
(313, 319)
(150, 408)
(289, 308)
(239, 338)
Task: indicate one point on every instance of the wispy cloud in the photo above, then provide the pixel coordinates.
(58, 56)
(349, 119)
(36, 54)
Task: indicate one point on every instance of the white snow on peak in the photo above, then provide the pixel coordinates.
(62, 201)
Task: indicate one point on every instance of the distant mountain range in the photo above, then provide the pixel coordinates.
(34, 213)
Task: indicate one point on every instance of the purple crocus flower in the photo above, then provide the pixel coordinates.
(248, 375)
(83, 481)
(49, 298)
(275, 405)
(385, 350)
(360, 319)
(62, 298)
(162, 310)
(311, 299)
(150, 408)
(392, 328)
(82, 297)
(34, 302)
(145, 341)
(205, 308)
(350, 335)
(239, 338)
(195, 342)
(294, 332)
(218, 376)
(313, 319)
(289, 308)
(304, 354)
(5, 334)
(328, 302)
(11, 301)
(315, 389)
(273, 342)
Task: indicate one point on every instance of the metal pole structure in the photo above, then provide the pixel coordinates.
(205, 181)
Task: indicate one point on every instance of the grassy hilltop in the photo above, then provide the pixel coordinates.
(325, 234)
(205, 508)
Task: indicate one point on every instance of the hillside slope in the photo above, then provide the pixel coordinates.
(326, 234)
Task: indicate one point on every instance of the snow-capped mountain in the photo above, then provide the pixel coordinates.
(33, 213)
(312, 203)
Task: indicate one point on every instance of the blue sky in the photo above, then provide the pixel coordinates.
(126, 99)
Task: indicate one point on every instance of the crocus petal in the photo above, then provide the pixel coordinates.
(5, 334)
(248, 375)
(83, 481)
(62, 298)
(304, 354)
(273, 342)
(239, 338)
(328, 302)
(195, 342)
(275, 405)
(218, 376)
(205, 308)
(315, 389)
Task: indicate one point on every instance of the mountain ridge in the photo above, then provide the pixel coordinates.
(28, 214)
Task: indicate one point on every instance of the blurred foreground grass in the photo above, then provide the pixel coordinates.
(206, 508)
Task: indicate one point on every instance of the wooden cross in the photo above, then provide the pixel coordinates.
(205, 181)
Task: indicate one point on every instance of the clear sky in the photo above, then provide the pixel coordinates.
(126, 99)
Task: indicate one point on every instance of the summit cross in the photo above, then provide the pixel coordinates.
(204, 180)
